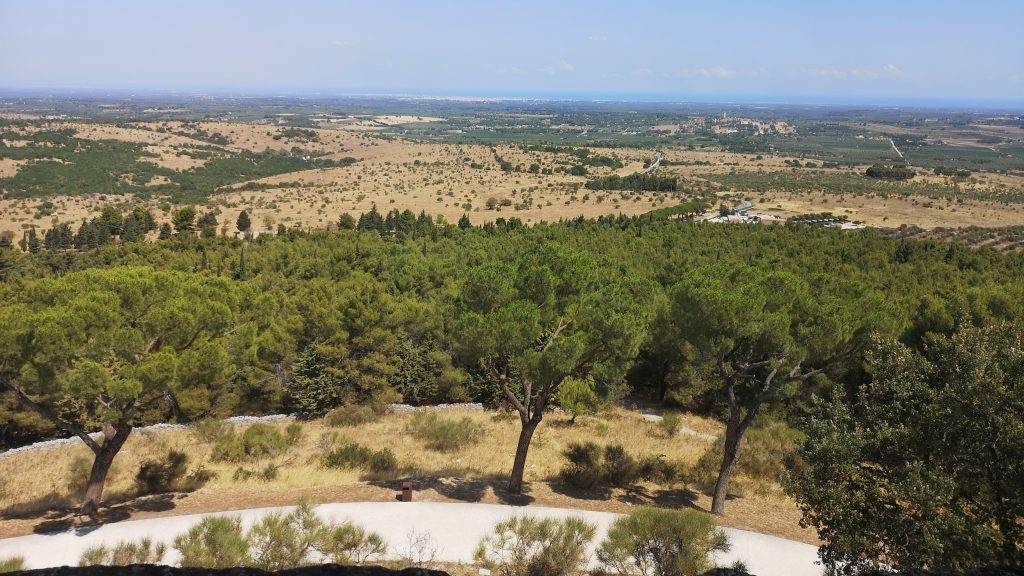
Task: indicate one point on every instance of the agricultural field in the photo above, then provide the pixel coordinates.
(302, 163)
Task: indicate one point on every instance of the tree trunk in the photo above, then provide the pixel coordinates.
(114, 438)
(515, 482)
(733, 434)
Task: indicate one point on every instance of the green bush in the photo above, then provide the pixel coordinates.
(262, 440)
(670, 424)
(589, 466)
(124, 553)
(659, 470)
(584, 467)
(13, 564)
(350, 455)
(658, 542)
(618, 467)
(353, 455)
(382, 461)
(526, 546)
(443, 434)
(210, 430)
(347, 543)
(280, 541)
(215, 542)
(258, 441)
(158, 476)
(293, 433)
(351, 415)
(228, 447)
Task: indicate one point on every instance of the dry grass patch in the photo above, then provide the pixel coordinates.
(475, 472)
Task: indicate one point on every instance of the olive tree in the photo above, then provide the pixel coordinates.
(547, 315)
(95, 349)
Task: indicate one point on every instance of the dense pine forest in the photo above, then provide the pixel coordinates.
(377, 312)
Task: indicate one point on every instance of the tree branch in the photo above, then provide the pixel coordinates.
(45, 412)
(507, 390)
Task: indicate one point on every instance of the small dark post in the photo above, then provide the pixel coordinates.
(407, 491)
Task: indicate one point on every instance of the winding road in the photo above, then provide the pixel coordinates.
(654, 165)
(454, 531)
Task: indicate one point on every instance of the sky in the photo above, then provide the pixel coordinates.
(893, 51)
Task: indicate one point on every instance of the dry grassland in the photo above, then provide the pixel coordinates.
(440, 180)
(476, 473)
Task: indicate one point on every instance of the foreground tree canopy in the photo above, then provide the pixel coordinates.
(922, 466)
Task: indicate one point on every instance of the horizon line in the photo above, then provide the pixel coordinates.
(588, 96)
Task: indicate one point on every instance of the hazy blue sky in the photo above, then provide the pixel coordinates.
(855, 51)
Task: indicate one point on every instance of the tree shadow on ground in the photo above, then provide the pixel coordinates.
(457, 487)
(67, 518)
(595, 493)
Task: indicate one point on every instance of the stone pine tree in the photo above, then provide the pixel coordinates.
(184, 219)
(749, 334)
(244, 224)
(550, 314)
(95, 349)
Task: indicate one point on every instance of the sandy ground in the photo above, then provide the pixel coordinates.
(455, 530)
(891, 212)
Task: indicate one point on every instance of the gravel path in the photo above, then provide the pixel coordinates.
(454, 531)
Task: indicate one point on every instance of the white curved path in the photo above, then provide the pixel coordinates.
(455, 529)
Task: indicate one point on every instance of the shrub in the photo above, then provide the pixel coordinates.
(257, 441)
(215, 542)
(382, 461)
(267, 474)
(504, 415)
(350, 455)
(351, 415)
(670, 424)
(228, 447)
(280, 541)
(659, 470)
(584, 467)
(579, 396)
(261, 440)
(13, 564)
(124, 553)
(590, 465)
(443, 434)
(525, 546)
(618, 468)
(348, 543)
(353, 455)
(293, 433)
(158, 476)
(659, 542)
(210, 430)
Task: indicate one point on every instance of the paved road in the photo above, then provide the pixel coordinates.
(654, 165)
(455, 530)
